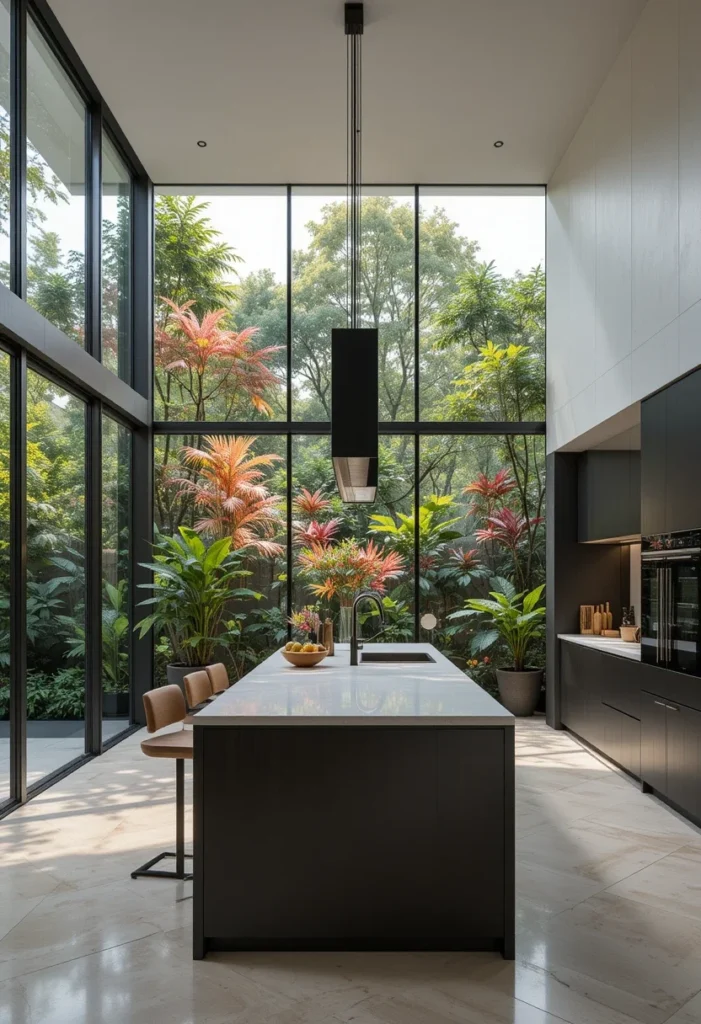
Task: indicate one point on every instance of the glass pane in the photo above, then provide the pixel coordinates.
(55, 577)
(225, 253)
(483, 503)
(116, 261)
(55, 190)
(5, 142)
(4, 576)
(320, 295)
(231, 487)
(482, 304)
(387, 270)
(331, 538)
(116, 624)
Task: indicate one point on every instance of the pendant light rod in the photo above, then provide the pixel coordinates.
(354, 19)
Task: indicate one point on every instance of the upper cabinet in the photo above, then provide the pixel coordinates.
(671, 451)
(609, 496)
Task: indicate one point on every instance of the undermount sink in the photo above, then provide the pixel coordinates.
(419, 657)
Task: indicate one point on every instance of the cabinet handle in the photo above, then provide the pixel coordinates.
(661, 703)
(671, 707)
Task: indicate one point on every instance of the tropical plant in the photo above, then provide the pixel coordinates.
(435, 530)
(207, 362)
(230, 495)
(193, 585)
(315, 533)
(505, 382)
(308, 504)
(489, 492)
(115, 625)
(398, 626)
(515, 620)
(346, 568)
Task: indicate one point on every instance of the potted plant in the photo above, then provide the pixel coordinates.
(516, 621)
(192, 586)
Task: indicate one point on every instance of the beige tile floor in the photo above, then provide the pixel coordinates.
(609, 915)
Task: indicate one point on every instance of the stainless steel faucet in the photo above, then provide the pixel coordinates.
(355, 644)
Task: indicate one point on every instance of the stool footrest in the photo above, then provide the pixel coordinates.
(146, 870)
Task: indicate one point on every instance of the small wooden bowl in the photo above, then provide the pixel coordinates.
(304, 659)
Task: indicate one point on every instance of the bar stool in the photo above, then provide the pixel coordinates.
(218, 677)
(166, 706)
(198, 690)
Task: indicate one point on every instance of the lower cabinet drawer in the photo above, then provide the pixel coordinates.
(619, 738)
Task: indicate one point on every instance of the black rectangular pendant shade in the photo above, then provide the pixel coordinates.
(354, 412)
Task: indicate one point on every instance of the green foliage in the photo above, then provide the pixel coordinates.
(435, 531)
(515, 620)
(506, 382)
(57, 696)
(193, 584)
(399, 621)
(191, 263)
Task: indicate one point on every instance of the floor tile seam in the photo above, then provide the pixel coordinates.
(73, 959)
(528, 963)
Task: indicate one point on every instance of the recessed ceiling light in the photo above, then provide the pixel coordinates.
(202, 144)
(498, 144)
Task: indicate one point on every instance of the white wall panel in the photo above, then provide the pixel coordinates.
(624, 231)
(689, 153)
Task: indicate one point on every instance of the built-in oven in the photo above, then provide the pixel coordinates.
(671, 590)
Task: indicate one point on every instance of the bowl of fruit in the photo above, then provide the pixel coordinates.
(304, 655)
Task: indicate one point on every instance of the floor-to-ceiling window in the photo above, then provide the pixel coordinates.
(116, 260)
(5, 583)
(454, 281)
(73, 202)
(56, 588)
(116, 576)
(56, 187)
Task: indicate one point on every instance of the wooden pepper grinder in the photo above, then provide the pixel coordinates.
(597, 625)
(328, 636)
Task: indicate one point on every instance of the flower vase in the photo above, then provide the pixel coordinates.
(345, 624)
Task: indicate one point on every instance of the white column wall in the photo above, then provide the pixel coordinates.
(624, 230)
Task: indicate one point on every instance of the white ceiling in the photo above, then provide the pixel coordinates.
(263, 82)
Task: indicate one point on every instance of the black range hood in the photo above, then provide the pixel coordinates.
(354, 412)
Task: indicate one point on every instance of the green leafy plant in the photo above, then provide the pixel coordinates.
(399, 620)
(515, 620)
(115, 623)
(193, 585)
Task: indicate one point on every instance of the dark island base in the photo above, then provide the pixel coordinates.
(354, 838)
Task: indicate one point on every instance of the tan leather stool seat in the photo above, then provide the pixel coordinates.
(173, 744)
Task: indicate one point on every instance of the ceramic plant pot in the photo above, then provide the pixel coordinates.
(520, 691)
(176, 673)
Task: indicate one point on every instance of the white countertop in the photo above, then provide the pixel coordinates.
(333, 693)
(605, 643)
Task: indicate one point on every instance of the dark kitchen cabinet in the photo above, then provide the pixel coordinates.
(653, 464)
(670, 449)
(653, 742)
(684, 758)
(670, 752)
(608, 496)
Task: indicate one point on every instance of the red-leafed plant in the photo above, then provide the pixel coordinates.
(205, 361)
(315, 533)
(346, 568)
(229, 493)
(308, 504)
(489, 492)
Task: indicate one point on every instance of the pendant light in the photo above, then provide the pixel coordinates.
(354, 360)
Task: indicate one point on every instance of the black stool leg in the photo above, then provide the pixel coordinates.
(148, 868)
(180, 817)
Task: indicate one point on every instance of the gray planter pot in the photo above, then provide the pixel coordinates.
(520, 691)
(176, 673)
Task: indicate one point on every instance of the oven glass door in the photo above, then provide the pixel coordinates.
(683, 603)
(650, 623)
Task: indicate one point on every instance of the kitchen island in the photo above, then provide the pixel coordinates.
(366, 808)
